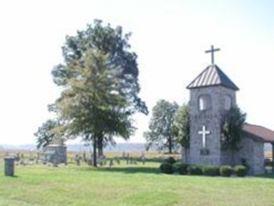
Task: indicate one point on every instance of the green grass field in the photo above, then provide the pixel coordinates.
(127, 186)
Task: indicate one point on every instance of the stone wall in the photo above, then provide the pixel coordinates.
(258, 161)
(251, 151)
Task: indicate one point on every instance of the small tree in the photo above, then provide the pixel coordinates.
(181, 127)
(160, 131)
(47, 133)
(232, 130)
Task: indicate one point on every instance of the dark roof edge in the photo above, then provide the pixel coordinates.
(234, 86)
(213, 86)
(254, 137)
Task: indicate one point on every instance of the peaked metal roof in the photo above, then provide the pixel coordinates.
(212, 76)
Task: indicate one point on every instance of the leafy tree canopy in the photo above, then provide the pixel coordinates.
(111, 43)
(181, 126)
(232, 129)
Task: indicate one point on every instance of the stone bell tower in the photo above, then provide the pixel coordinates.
(211, 94)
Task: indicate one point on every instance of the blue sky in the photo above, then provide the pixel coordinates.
(169, 37)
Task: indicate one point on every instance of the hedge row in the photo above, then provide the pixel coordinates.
(225, 170)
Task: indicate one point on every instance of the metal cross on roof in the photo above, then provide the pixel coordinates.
(212, 50)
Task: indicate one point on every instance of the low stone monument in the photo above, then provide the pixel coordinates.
(55, 154)
(9, 166)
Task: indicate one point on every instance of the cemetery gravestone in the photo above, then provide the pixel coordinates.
(56, 154)
(84, 157)
(110, 163)
(77, 159)
(143, 158)
(127, 158)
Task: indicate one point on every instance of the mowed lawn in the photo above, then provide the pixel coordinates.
(127, 186)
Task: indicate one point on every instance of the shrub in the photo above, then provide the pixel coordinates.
(226, 170)
(240, 170)
(211, 170)
(244, 163)
(180, 168)
(268, 163)
(166, 168)
(170, 160)
(195, 170)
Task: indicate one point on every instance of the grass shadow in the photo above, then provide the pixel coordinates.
(270, 176)
(131, 170)
(14, 176)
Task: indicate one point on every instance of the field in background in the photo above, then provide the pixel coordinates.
(268, 155)
(149, 155)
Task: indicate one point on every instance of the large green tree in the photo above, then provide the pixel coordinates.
(232, 130)
(160, 132)
(99, 82)
(181, 127)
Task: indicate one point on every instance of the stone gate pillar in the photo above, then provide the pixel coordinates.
(9, 166)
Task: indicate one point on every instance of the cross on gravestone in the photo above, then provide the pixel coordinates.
(204, 132)
(212, 50)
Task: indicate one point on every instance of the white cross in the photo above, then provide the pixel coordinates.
(204, 132)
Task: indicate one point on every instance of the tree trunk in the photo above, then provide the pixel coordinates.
(185, 155)
(233, 157)
(169, 145)
(100, 147)
(95, 152)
